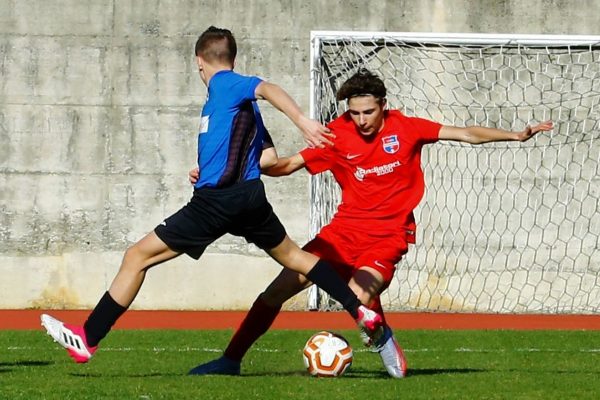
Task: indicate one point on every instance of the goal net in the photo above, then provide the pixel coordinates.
(503, 227)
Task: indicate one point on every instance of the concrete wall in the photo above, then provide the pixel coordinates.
(99, 105)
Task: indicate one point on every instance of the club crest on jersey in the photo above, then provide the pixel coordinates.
(391, 144)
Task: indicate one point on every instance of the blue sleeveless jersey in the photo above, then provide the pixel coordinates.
(231, 132)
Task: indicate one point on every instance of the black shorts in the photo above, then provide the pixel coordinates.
(241, 209)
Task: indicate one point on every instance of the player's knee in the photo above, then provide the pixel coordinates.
(133, 259)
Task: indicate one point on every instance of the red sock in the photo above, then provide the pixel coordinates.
(257, 322)
(376, 306)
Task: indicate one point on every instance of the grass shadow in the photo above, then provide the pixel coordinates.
(27, 363)
(369, 373)
(361, 373)
(10, 366)
(439, 371)
(354, 373)
(121, 375)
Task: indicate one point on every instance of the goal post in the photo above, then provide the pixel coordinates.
(503, 227)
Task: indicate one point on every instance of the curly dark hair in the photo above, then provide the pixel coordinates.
(216, 44)
(362, 83)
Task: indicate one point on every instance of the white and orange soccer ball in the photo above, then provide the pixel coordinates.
(327, 354)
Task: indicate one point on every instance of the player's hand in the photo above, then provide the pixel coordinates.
(193, 175)
(530, 131)
(316, 134)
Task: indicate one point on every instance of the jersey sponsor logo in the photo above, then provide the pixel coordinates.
(379, 170)
(204, 124)
(390, 144)
(352, 156)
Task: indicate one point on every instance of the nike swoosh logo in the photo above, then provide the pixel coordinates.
(351, 156)
(380, 265)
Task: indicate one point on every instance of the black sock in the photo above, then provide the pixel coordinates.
(325, 277)
(101, 319)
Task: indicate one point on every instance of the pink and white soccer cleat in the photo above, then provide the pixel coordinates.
(70, 337)
(370, 325)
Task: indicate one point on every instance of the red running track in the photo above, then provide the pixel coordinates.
(30, 319)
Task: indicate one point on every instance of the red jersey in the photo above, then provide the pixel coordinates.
(380, 175)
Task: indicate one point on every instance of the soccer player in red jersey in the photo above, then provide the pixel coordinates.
(376, 160)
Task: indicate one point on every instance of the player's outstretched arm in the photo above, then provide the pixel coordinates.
(268, 158)
(480, 134)
(315, 134)
(285, 166)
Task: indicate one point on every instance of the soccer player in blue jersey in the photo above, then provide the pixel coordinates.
(228, 197)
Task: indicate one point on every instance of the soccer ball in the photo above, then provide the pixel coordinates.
(327, 354)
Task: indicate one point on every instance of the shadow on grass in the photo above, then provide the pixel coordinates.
(9, 366)
(120, 375)
(355, 373)
(432, 371)
(27, 363)
(369, 373)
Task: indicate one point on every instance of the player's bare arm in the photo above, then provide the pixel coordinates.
(285, 166)
(268, 158)
(480, 134)
(315, 134)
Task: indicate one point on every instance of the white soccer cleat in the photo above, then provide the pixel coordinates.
(70, 337)
(391, 354)
(370, 325)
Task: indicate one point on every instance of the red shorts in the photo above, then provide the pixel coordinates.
(351, 248)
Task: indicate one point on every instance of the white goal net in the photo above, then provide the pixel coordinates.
(503, 227)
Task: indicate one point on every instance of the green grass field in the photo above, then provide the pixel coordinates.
(443, 365)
